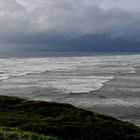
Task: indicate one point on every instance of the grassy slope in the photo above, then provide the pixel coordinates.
(7, 133)
(63, 120)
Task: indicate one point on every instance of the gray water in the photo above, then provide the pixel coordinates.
(105, 83)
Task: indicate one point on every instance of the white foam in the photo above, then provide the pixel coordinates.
(111, 102)
(123, 102)
(136, 89)
(80, 84)
(4, 76)
(69, 74)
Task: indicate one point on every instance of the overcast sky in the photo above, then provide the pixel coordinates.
(26, 21)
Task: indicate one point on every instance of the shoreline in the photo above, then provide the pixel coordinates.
(63, 121)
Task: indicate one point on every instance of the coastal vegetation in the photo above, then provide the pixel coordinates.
(7, 133)
(63, 121)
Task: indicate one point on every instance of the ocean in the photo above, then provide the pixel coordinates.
(107, 83)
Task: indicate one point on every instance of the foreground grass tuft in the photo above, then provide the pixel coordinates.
(7, 133)
(63, 121)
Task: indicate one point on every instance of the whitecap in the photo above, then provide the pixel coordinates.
(79, 84)
(71, 74)
(4, 76)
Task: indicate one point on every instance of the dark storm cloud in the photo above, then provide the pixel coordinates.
(41, 22)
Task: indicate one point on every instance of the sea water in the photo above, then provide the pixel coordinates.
(105, 83)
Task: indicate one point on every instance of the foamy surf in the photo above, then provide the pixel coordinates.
(65, 74)
(105, 81)
(79, 84)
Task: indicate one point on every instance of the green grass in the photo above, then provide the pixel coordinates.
(7, 133)
(63, 121)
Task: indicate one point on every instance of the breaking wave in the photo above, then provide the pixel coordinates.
(65, 74)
